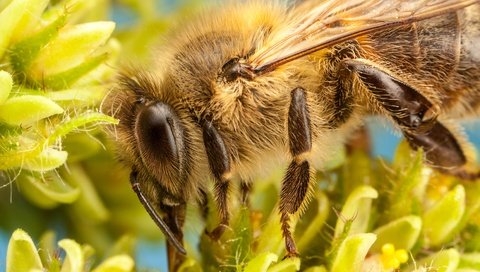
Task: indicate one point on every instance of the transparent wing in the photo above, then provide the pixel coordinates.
(314, 25)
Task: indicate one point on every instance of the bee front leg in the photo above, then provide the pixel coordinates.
(296, 182)
(219, 163)
(174, 218)
(171, 225)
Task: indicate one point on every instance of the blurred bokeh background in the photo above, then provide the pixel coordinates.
(107, 215)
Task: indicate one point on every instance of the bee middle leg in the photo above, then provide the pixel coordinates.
(219, 163)
(296, 182)
(245, 188)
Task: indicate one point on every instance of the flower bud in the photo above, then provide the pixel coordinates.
(73, 46)
(27, 109)
(402, 233)
(352, 252)
(357, 207)
(6, 84)
(22, 254)
(443, 217)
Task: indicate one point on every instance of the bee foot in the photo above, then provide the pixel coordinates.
(291, 255)
(217, 232)
(466, 175)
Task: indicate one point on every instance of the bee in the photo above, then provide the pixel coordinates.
(250, 86)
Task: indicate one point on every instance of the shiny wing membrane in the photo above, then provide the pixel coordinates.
(314, 25)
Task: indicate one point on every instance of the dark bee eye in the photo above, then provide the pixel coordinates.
(156, 133)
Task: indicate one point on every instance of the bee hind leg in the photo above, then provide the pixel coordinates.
(442, 151)
(416, 116)
(295, 184)
(219, 163)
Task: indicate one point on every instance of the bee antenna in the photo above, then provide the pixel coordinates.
(154, 215)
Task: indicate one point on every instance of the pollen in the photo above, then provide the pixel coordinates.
(391, 258)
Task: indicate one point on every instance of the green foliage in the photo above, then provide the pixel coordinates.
(22, 255)
(55, 61)
(378, 225)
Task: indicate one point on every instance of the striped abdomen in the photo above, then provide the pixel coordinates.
(440, 57)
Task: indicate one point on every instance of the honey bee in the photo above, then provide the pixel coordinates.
(250, 86)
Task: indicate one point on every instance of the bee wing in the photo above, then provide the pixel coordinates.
(314, 25)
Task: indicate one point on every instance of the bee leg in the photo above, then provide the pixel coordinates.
(442, 150)
(407, 107)
(219, 163)
(171, 224)
(203, 204)
(174, 218)
(296, 182)
(245, 188)
(416, 117)
(359, 141)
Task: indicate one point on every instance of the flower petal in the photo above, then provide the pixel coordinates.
(352, 252)
(27, 109)
(6, 83)
(22, 254)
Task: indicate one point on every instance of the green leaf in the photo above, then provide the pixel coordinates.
(70, 76)
(443, 261)
(6, 83)
(79, 121)
(409, 188)
(9, 19)
(30, 20)
(72, 47)
(357, 207)
(89, 205)
(48, 250)
(403, 233)
(27, 109)
(80, 97)
(47, 160)
(49, 192)
(81, 146)
(74, 259)
(242, 237)
(317, 269)
(352, 252)
(25, 51)
(261, 262)
(119, 263)
(310, 234)
(271, 238)
(444, 216)
(470, 260)
(357, 171)
(22, 254)
(31, 149)
(287, 265)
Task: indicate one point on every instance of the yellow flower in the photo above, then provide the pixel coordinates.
(391, 258)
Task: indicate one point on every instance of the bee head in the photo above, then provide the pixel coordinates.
(152, 135)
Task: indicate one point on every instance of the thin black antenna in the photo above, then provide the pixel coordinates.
(154, 215)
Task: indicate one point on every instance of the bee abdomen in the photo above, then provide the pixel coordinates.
(441, 52)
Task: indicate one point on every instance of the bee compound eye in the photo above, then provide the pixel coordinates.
(157, 133)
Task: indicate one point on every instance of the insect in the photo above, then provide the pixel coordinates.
(253, 85)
